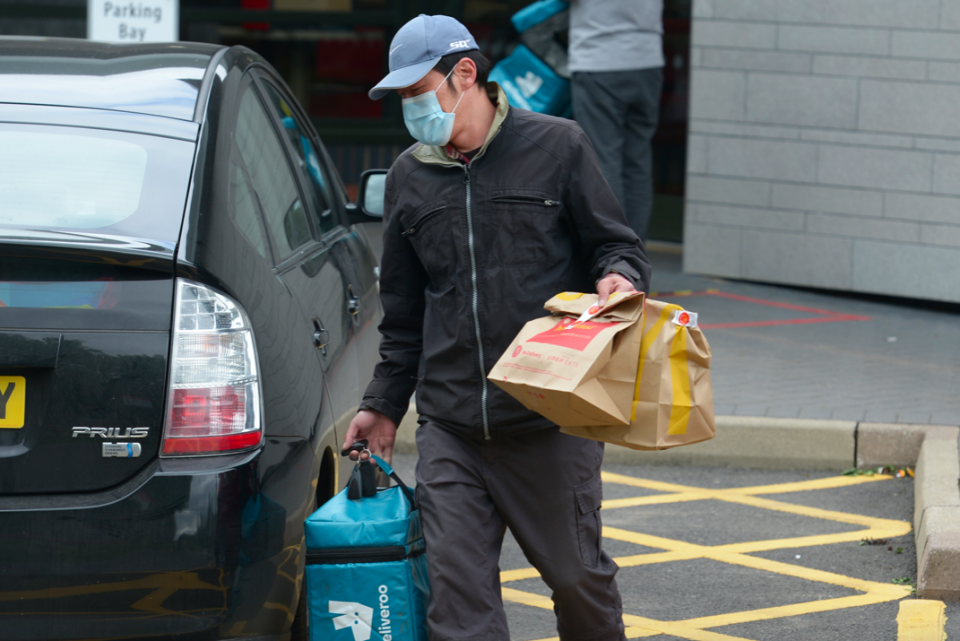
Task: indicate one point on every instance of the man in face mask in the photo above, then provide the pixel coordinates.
(491, 213)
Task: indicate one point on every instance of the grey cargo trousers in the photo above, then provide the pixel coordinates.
(545, 487)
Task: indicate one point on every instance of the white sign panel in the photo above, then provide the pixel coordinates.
(139, 21)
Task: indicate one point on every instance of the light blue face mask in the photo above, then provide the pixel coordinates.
(426, 120)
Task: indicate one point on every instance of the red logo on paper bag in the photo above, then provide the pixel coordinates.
(683, 319)
(568, 333)
(517, 351)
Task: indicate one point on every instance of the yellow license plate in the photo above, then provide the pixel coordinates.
(13, 401)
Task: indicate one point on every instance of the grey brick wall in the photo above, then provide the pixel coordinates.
(824, 144)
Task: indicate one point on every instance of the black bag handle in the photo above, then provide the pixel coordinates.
(363, 481)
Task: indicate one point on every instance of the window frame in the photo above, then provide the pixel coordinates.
(337, 193)
(248, 84)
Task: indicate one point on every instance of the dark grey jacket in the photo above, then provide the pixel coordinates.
(472, 251)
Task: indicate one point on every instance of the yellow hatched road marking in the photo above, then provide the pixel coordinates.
(817, 539)
(613, 504)
(637, 627)
(829, 483)
(738, 554)
(783, 611)
(778, 488)
(921, 620)
(813, 512)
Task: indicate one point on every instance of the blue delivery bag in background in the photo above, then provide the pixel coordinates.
(366, 569)
(530, 84)
(535, 76)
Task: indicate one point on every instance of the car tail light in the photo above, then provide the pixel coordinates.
(213, 404)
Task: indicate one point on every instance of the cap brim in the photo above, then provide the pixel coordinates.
(403, 77)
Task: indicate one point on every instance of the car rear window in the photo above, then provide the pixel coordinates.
(62, 180)
(72, 179)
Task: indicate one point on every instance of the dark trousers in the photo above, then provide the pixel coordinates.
(619, 111)
(544, 486)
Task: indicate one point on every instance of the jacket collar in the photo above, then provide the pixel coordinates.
(436, 155)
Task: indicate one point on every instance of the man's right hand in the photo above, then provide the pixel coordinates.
(380, 432)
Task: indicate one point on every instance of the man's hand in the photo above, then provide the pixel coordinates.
(613, 283)
(379, 430)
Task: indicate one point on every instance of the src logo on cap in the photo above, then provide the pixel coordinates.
(460, 44)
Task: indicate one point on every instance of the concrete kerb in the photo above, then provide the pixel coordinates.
(774, 443)
(742, 441)
(935, 454)
(936, 516)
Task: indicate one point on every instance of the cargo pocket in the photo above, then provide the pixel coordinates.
(588, 497)
(430, 230)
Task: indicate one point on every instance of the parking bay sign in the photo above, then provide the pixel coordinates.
(138, 21)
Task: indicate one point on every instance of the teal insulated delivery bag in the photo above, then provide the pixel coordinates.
(530, 84)
(535, 75)
(366, 568)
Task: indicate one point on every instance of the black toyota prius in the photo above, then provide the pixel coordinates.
(188, 309)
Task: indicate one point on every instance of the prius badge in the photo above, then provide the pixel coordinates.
(115, 450)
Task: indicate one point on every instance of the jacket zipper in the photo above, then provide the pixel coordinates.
(339, 556)
(526, 200)
(415, 226)
(476, 308)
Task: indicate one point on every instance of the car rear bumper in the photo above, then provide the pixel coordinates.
(206, 547)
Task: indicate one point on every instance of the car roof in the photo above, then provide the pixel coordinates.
(157, 79)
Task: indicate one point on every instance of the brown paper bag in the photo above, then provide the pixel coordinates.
(566, 370)
(636, 374)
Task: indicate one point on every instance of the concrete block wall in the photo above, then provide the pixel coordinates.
(824, 144)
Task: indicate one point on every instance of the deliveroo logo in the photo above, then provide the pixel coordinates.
(354, 616)
(529, 84)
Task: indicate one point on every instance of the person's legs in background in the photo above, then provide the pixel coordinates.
(619, 111)
(642, 116)
(599, 108)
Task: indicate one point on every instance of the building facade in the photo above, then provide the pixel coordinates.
(824, 144)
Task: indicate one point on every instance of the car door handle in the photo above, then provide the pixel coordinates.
(353, 306)
(353, 302)
(321, 337)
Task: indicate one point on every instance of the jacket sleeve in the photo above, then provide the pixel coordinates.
(402, 283)
(609, 244)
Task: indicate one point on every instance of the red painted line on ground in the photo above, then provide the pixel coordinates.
(681, 293)
(833, 318)
(826, 316)
(796, 308)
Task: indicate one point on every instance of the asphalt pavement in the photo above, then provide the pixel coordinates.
(721, 554)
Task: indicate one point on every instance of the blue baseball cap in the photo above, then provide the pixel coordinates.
(418, 46)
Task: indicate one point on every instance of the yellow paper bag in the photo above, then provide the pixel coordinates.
(637, 373)
(673, 398)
